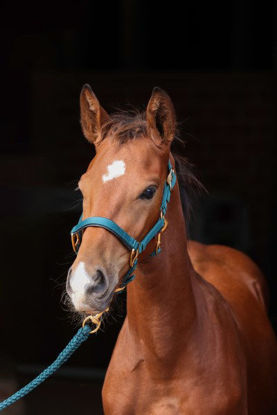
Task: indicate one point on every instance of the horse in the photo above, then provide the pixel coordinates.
(196, 338)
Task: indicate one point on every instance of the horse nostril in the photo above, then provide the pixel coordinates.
(99, 277)
(99, 284)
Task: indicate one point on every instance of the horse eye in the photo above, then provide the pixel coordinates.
(148, 193)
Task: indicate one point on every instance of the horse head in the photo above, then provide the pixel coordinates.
(124, 183)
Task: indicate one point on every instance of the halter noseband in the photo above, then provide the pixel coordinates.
(130, 243)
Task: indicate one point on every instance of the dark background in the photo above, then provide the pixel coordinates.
(217, 61)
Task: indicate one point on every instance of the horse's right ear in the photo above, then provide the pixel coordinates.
(93, 116)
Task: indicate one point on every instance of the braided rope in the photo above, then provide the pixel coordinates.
(80, 337)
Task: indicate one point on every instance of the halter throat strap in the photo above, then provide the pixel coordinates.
(127, 240)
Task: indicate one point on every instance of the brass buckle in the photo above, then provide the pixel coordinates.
(75, 240)
(133, 256)
(96, 320)
(117, 290)
(169, 178)
(160, 233)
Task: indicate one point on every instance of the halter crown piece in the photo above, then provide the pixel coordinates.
(127, 240)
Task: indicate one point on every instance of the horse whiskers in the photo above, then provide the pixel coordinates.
(67, 306)
(77, 318)
(65, 300)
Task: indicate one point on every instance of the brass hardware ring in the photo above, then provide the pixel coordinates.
(133, 256)
(75, 240)
(96, 320)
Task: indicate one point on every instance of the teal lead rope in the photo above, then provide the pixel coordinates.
(80, 337)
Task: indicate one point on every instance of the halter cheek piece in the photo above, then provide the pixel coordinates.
(130, 243)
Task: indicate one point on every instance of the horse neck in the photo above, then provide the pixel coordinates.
(160, 301)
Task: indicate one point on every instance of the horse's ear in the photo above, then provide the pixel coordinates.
(160, 117)
(93, 116)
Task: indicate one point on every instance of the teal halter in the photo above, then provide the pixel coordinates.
(130, 243)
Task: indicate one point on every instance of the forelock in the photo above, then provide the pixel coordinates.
(124, 126)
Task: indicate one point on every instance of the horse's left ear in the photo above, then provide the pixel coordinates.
(160, 118)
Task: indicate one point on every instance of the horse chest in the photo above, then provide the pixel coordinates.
(146, 398)
(137, 395)
(131, 388)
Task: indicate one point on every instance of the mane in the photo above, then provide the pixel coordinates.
(131, 125)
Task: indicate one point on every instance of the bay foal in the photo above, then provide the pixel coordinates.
(196, 338)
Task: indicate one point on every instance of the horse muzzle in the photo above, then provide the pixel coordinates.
(90, 292)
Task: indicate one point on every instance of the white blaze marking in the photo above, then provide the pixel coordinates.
(116, 169)
(79, 280)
